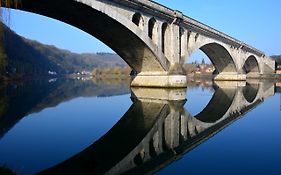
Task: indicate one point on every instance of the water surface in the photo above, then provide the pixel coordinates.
(63, 126)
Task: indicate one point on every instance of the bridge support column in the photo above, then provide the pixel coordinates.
(163, 81)
(229, 76)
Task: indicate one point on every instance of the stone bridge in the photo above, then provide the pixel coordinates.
(157, 130)
(155, 40)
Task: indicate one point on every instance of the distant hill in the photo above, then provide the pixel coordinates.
(23, 57)
(277, 58)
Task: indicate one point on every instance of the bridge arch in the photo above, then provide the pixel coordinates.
(107, 25)
(251, 65)
(218, 55)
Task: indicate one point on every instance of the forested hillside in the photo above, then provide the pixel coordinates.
(21, 57)
(277, 58)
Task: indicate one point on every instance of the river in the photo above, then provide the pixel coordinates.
(70, 126)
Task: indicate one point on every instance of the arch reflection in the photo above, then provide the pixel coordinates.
(157, 129)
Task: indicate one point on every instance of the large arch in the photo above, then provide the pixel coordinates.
(219, 56)
(251, 65)
(107, 25)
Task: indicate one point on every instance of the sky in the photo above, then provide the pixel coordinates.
(256, 23)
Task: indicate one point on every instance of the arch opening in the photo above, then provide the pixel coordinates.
(138, 20)
(199, 65)
(164, 37)
(219, 57)
(251, 65)
(152, 30)
(183, 44)
(114, 31)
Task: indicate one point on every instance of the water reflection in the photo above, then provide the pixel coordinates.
(19, 99)
(157, 129)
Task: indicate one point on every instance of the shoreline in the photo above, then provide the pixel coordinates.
(124, 77)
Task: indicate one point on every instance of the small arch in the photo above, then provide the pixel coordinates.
(138, 159)
(152, 30)
(182, 44)
(138, 20)
(166, 39)
(196, 36)
(251, 65)
(163, 38)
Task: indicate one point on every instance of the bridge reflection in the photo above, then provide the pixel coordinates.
(157, 129)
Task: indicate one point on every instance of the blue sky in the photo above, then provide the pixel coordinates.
(254, 22)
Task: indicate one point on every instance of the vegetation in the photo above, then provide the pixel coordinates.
(277, 58)
(35, 59)
(111, 72)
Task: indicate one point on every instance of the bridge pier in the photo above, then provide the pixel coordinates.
(162, 81)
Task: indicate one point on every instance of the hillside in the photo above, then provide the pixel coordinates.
(277, 58)
(23, 57)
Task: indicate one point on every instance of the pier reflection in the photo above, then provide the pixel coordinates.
(157, 129)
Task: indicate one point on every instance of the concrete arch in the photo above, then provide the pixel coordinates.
(220, 57)
(116, 31)
(251, 65)
(218, 54)
(138, 20)
(152, 30)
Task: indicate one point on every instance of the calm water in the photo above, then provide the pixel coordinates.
(65, 126)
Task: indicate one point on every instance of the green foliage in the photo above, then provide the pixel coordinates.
(277, 58)
(33, 58)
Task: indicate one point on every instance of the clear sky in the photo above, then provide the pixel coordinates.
(254, 22)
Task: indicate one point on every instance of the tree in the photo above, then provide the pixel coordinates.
(203, 61)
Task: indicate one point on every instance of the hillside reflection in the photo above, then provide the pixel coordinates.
(19, 99)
